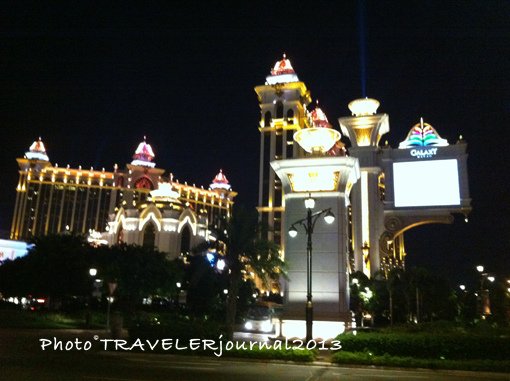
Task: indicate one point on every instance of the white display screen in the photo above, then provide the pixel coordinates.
(426, 183)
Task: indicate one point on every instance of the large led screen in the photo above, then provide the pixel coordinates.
(426, 183)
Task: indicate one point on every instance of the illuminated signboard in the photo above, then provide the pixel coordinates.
(426, 183)
(10, 250)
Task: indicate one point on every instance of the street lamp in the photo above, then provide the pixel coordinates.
(484, 298)
(92, 273)
(308, 224)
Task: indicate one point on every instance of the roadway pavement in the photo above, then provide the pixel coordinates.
(21, 358)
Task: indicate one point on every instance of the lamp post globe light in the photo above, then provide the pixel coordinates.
(308, 223)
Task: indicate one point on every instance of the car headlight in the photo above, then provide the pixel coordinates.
(267, 326)
(248, 325)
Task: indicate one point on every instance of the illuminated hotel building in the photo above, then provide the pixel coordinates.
(376, 192)
(52, 199)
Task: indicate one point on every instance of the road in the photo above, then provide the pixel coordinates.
(20, 361)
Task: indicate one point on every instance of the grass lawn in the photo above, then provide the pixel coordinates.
(10, 318)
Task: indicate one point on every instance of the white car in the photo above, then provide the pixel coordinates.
(260, 319)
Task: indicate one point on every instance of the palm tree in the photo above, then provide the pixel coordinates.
(246, 249)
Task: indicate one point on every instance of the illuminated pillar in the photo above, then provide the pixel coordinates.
(328, 180)
(365, 129)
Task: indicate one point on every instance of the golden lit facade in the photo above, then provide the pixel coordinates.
(52, 199)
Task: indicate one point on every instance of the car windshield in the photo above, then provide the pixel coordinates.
(259, 313)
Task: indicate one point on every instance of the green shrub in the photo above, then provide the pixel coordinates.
(367, 358)
(419, 345)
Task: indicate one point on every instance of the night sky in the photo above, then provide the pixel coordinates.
(92, 79)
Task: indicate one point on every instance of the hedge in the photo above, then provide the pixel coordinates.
(428, 346)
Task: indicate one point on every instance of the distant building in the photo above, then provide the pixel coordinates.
(137, 204)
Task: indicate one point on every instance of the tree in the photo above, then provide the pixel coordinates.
(204, 288)
(139, 271)
(246, 249)
(57, 266)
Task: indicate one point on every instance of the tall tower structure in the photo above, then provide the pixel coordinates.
(364, 129)
(283, 100)
(324, 180)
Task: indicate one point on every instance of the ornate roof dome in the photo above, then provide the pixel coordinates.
(319, 118)
(144, 154)
(220, 182)
(37, 151)
(282, 72)
(283, 67)
(422, 135)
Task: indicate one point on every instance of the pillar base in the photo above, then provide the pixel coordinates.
(322, 330)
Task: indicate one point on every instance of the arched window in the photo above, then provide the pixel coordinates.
(290, 116)
(267, 119)
(149, 235)
(185, 240)
(279, 110)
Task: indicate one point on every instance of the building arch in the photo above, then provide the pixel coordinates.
(399, 225)
(267, 119)
(290, 116)
(186, 240)
(279, 110)
(151, 213)
(149, 235)
(187, 217)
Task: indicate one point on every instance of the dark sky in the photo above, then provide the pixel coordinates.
(92, 79)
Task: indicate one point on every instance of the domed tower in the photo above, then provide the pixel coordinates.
(221, 186)
(142, 175)
(283, 100)
(34, 162)
(364, 129)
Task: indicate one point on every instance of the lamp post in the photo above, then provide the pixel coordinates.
(485, 307)
(92, 273)
(308, 224)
